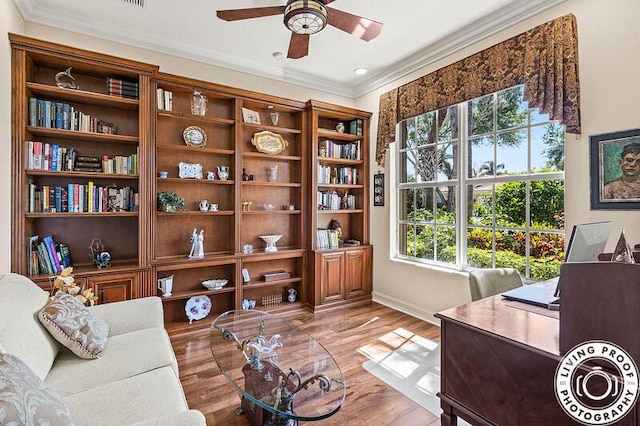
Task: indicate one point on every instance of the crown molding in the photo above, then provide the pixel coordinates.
(476, 31)
(454, 42)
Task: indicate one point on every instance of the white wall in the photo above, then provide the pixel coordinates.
(609, 42)
(10, 21)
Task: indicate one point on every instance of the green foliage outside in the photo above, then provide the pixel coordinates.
(434, 209)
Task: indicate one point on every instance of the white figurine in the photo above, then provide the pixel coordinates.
(194, 243)
(199, 248)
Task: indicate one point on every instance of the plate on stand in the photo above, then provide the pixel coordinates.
(197, 307)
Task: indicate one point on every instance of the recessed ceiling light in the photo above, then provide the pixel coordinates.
(360, 71)
(278, 55)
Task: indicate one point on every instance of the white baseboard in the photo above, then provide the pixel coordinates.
(404, 307)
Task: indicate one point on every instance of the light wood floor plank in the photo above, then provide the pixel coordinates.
(346, 333)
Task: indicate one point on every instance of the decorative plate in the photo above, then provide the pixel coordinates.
(190, 170)
(194, 136)
(197, 307)
(269, 142)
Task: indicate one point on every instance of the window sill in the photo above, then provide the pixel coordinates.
(453, 269)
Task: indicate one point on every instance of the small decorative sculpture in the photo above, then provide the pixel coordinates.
(198, 103)
(293, 294)
(65, 80)
(335, 226)
(197, 244)
(272, 173)
(271, 241)
(100, 257)
(273, 115)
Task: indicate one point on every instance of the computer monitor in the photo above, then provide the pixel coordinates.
(587, 241)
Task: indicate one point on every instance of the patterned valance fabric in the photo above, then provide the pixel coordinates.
(544, 59)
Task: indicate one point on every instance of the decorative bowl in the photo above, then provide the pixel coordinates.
(215, 284)
(271, 242)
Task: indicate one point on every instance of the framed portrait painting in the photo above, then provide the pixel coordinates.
(615, 170)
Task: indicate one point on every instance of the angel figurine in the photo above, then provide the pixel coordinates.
(194, 245)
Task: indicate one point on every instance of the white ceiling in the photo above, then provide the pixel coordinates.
(415, 33)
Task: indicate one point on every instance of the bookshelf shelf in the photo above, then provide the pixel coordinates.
(195, 181)
(203, 150)
(340, 161)
(273, 184)
(267, 212)
(339, 186)
(94, 215)
(262, 127)
(88, 175)
(195, 118)
(333, 135)
(259, 284)
(199, 213)
(204, 292)
(74, 135)
(341, 211)
(81, 96)
(272, 157)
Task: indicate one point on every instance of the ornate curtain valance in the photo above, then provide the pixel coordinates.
(544, 59)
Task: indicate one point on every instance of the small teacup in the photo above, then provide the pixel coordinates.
(163, 174)
(211, 175)
(214, 207)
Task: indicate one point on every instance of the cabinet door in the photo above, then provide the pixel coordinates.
(113, 288)
(357, 275)
(332, 277)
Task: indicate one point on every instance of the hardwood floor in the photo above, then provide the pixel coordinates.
(346, 333)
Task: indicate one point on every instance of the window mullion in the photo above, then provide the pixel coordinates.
(463, 172)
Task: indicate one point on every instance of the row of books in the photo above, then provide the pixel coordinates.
(58, 115)
(330, 200)
(52, 157)
(164, 99)
(327, 239)
(330, 149)
(122, 88)
(76, 198)
(47, 256)
(337, 175)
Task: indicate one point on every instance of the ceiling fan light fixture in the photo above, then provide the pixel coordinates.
(305, 16)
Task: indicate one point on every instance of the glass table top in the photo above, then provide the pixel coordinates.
(276, 367)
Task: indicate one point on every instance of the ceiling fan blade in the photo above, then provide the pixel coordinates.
(298, 46)
(358, 26)
(255, 12)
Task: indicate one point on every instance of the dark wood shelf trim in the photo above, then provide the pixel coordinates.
(282, 253)
(339, 186)
(201, 181)
(258, 212)
(81, 136)
(274, 129)
(183, 295)
(200, 118)
(259, 284)
(272, 157)
(276, 184)
(341, 211)
(204, 150)
(81, 214)
(340, 161)
(81, 96)
(333, 135)
(87, 269)
(198, 213)
(174, 263)
(72, 174)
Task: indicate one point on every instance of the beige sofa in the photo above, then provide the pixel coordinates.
(135, 381)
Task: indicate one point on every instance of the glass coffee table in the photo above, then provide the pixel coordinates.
(281, 373)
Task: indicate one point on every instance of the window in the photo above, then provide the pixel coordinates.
(481, 184)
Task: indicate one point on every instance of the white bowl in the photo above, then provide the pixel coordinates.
(215, 284)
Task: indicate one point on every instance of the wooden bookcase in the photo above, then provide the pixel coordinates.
(35, 65)
(234, 226)
(339, 165)
(147, 244)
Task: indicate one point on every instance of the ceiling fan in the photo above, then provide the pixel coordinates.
(306, 17)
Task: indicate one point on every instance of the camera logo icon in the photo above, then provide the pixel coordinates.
(596, 383)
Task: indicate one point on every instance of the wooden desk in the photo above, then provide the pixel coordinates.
(497, 366)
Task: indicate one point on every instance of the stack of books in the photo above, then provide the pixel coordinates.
(122, 88)
(47, 256)
(86, 163)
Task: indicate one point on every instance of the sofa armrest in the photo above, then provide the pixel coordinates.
(185, 418)
(131, 315)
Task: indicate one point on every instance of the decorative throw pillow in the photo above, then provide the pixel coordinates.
(27, 400)
(73, 325)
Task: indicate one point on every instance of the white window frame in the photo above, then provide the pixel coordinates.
(461, 183)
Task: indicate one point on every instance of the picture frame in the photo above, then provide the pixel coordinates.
(250, 116)
(378, 189)
(615, 170)
(245, 275)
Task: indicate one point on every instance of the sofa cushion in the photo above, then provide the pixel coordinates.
(126, 355)
(153, 394)
(25, 399)
(71, 324)
(21, 334)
